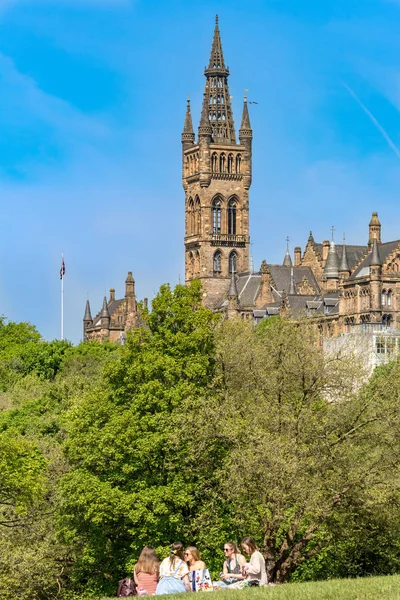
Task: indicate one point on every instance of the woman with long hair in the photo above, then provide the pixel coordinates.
(199, 575)
(233, 564)
(174, 572)
(146, 572)
(255, 568)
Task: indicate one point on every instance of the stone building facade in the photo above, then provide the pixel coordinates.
(116, 317)
(339, 285)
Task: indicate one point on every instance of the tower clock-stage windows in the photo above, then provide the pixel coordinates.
(216, 215)
(232, 217)
(232, 262)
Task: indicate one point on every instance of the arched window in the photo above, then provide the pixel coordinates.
(190, 265)
(216, 215)
(190, 216)
(233, 262)
(222, 163)
(232, 216)
(383, 297)
(196, 269)
(217, 262)
(389, 298)
(238, 163)
(214, 162)
(230, 163)
(197, 215)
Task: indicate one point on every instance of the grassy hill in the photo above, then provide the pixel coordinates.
(372, 588)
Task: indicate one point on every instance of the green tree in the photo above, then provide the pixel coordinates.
(300, 444)
(130, 482)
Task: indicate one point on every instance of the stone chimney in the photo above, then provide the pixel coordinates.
(112, 294)
(297, 256)
(325, 249)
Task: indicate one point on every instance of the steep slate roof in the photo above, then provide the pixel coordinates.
(248, 284)
(299, 304)
(354, 253)
(384, 251)
(112, 307)
(281, 277)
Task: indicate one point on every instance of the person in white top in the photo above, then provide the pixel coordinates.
(255, 568)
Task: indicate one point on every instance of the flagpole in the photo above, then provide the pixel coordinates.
(62, 296)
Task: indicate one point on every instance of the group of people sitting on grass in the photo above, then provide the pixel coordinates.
(184, 571)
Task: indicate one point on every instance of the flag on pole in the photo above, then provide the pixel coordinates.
(62, 270)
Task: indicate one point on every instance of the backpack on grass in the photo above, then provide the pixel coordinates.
(126, 588)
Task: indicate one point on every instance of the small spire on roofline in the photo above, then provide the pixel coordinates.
(344, 264)
(287, 261)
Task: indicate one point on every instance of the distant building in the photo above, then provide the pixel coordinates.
(340, 286)
(115, 318)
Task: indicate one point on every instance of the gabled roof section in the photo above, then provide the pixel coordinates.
(281, 276)
(384, 251)
(354, 253)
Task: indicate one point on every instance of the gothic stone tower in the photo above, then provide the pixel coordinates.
(216, 178)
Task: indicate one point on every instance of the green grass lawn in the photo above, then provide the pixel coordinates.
(371, 588)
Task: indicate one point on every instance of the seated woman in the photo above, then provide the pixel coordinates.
(233, 566)
(199, 575)
(255, 569)
(146, 572)
(174, 571)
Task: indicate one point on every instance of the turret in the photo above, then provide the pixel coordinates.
(87, 319)
(331, 269)
(376, 280)
(374, 230)
(245, 138)
(188, 133)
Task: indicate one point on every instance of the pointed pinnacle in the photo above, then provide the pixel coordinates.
(331, 269)
(245, 130)
(287, 262)
(233, 291)
(344, 264)
(216, 57)
(88, 315)
(104, 310)
(375, 258)
(188, 126)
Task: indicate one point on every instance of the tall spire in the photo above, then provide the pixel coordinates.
(216, 56)
(217, 111)
(188, 133)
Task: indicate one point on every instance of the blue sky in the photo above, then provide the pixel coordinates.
(92, 102)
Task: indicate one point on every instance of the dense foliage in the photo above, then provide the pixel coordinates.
(196, 429)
